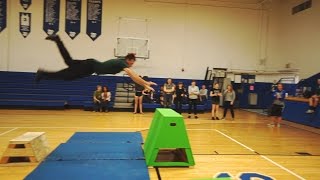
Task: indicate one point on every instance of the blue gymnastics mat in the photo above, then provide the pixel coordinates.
(91, 169)
(97, 151)
(106, 137)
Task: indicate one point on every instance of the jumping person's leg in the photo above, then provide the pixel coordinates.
(232, 111)
(217, 111)
(213, 112)
(226, 107)
(63, 51)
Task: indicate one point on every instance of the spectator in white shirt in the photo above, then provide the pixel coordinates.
(193, 92)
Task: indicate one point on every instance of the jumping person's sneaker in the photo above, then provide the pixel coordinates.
(196, 117)
(189, 116)
(217, 118)
(53, 37)
(310, 111)
(223, 118)
(213, 118)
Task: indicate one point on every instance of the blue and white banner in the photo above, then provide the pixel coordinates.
(3, 15)
(51, 16)
(25, 4)
(73, 17)
(25, 24)
(94, 17)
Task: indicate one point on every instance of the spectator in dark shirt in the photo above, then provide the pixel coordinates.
(97, 99)
(277, 105)
(180, 93)
(138, 98)
(215, 94)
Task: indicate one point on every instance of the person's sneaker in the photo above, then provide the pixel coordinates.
(278, 125)
(189, 116)
(53, 37)
(213, 118)
(310, 111)
(223, 118)
(196, 117)
(217, 118)
(271, 125)
(38, 76)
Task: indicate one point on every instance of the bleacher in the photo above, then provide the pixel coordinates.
(18, 89)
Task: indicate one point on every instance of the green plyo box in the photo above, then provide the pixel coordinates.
(167, 143)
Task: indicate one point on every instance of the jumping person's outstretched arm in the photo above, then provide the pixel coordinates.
(135, 77)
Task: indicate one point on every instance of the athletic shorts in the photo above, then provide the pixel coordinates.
(138, 93)
(276, 110)
(216, 101)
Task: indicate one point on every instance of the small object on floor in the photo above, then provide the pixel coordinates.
(196, 117)
(189, 116)
(310, 111)
(271, 125)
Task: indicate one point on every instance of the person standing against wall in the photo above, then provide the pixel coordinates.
(168, 89)
(215, 94)
(193, 92)
(277, 106)
(229, 97)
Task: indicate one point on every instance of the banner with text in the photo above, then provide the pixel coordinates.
(51, 16)
(25, 24)
(94, 18)
(3, 15)
(73, 18)
(25, 4)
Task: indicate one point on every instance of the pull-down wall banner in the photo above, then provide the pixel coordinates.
(94, 17)
(25, 24)
(51, 16)
(73, 18)
(3, 15)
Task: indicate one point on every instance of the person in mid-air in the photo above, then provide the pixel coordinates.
(82, 68)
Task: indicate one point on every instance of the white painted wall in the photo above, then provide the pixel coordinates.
(295, 38)
(182, 36)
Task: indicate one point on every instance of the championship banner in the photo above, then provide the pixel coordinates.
(3, 15)
(25, 24)
(51, 15)
(25, 4)
(73, 18)
(94, 17)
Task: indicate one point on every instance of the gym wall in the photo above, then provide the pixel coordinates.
(181, 36)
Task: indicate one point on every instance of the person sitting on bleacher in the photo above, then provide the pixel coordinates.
(314, 100)
(97, 99)
(106, 98)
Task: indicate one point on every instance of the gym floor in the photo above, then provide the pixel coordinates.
(244, 145)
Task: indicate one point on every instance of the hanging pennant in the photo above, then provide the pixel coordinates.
(51, 16)
(3, 15)
(25, 4)
(73, 18)
(94, 17)
(25, 24)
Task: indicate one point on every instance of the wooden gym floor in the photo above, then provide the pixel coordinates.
(243, 145)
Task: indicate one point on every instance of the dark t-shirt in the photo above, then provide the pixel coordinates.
(215, 91)
(112, 66)
(179, 92)
(138, 87)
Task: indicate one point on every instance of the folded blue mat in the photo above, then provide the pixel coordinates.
(96, 151)
(106, 137)
(96, 169)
